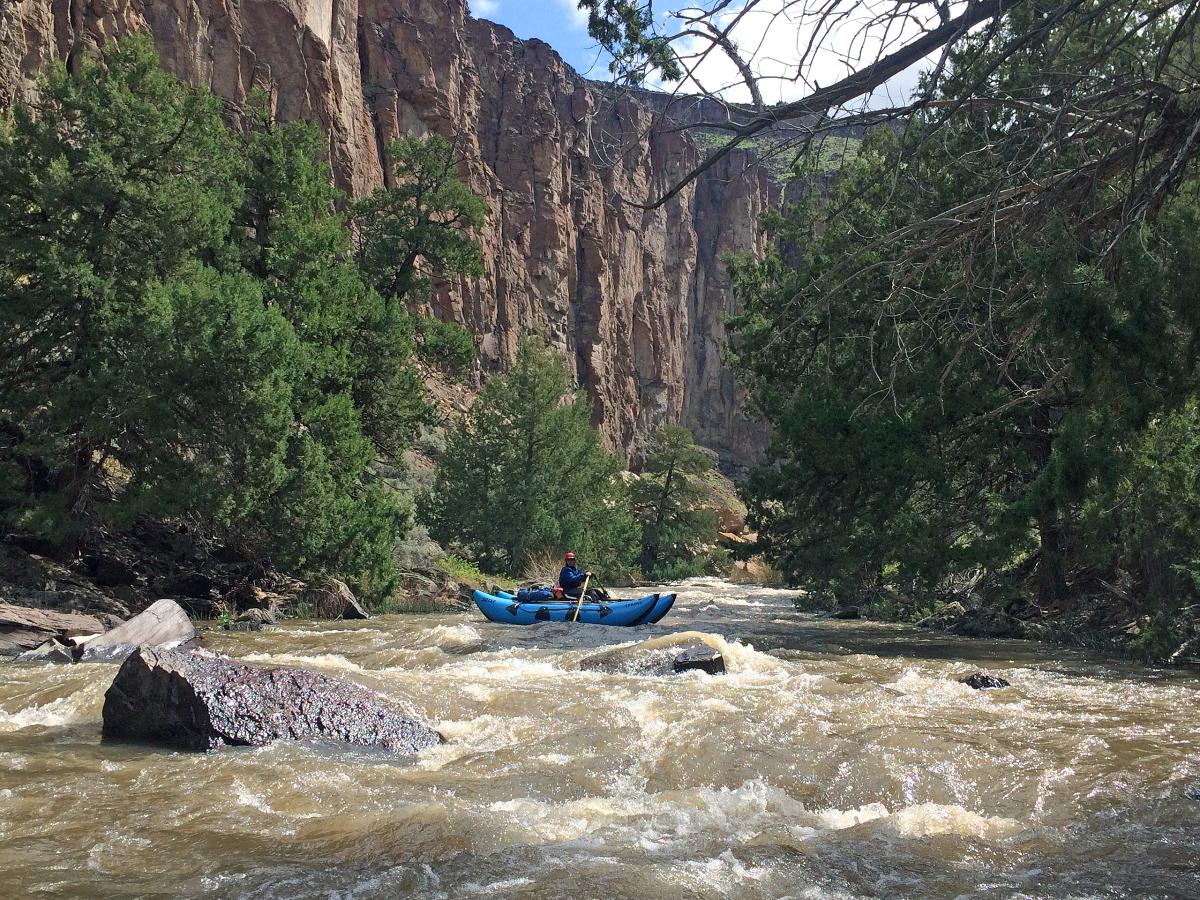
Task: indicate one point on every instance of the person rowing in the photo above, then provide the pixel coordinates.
(572, 579)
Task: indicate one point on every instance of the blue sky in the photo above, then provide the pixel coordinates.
(557, 22)
(775, 37)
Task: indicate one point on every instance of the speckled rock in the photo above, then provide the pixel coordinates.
(196, 701)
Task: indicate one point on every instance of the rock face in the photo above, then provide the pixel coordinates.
(164, 624)
(637, 300)
(23, 629)
(200, 702)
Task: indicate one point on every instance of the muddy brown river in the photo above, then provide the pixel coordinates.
(835, 759)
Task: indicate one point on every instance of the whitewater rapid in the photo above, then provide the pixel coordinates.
(834, 759)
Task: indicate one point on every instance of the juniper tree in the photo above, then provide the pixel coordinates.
(947, 402)
(667, 497)
(525, 472)
(125, 353)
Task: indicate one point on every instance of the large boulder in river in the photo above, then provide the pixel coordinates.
(164, 624)
(197, 701)
(23, 629)
(669, 655)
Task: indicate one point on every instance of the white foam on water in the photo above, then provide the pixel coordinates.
(478, 692)
(504, 887)
(508, 667)
(247, 797)
(76, 707)
(659, 823)
(462, 635)
(925, 819)
(487, 733)
(720, 873)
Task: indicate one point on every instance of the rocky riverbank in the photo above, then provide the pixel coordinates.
(114, 576)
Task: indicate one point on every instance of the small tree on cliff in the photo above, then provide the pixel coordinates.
(416, 230)
(524, 472)
(675, 531)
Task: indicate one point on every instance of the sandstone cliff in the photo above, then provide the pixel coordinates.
(637, 300)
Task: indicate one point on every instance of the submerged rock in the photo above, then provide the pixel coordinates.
(701, 657)
(982, 680)
(23, 629)
(668, 655)
(195, 701)
(164, 624)
(256, 618)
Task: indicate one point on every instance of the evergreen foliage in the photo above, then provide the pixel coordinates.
(414, 230)
(625, 29)
(524, 472)
(185, 329)
(127, 351)
(676, 531)
(935, 431)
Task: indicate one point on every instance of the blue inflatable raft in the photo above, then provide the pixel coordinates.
(508, 609)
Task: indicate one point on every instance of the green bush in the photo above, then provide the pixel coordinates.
(463, 571)
(446, 346)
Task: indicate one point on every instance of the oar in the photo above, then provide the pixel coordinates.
(582, 594)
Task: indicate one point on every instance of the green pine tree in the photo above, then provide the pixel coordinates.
(676, 530)
(417, 228)
(525, 473)
(949, 413)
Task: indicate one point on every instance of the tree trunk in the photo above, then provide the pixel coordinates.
(1051, 569)
(1052, 576)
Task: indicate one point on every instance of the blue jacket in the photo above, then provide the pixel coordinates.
(571, 577)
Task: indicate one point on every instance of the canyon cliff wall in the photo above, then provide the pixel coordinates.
(636, 300)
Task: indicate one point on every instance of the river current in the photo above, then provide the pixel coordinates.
(834, 760)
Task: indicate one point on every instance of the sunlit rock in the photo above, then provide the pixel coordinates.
(164, 625)
(331, 598)
(23, 629)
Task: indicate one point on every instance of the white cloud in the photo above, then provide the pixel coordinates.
(485, 7)
(792, 52)
(576, 18)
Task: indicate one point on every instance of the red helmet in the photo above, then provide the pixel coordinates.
(569, 555)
